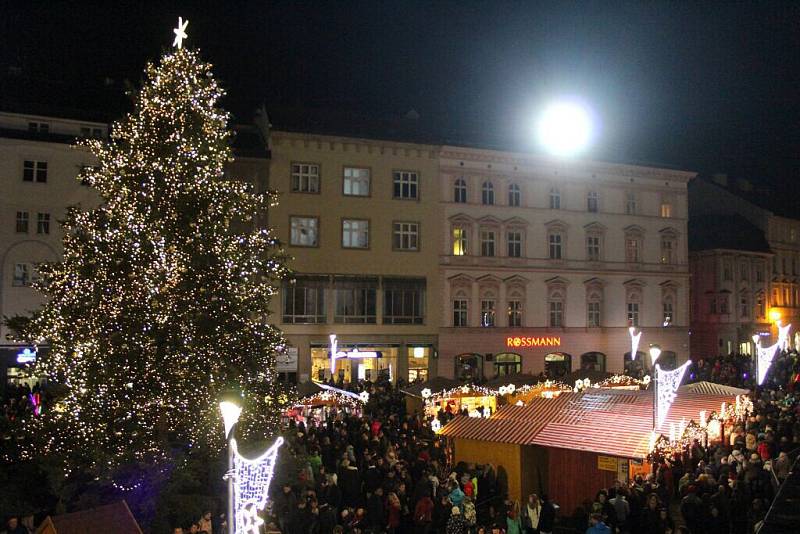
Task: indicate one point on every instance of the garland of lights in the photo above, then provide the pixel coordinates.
(667, 383)
(251, 480)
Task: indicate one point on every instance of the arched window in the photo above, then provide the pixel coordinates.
(514, 195)
(555, 198)
(557, 365)
(594, 304)
(487, 193)
(593, 361)
(469, 367)
(460, 191)
(555, 304)
(507, 363)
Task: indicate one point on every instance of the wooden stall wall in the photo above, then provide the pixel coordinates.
(574, 477)
(504, 456)
(534, 471)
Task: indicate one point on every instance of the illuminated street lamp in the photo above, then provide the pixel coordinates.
(564, 129)
(230, 416)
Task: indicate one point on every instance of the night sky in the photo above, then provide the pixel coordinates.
(707, 87)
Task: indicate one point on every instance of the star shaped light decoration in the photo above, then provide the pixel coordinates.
(252, 521)
(180, 33)
(364, 396)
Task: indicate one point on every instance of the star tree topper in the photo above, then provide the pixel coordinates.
(180, 33)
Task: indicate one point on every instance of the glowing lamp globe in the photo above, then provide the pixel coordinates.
(564, 129)
(774, 315)
(230, 415)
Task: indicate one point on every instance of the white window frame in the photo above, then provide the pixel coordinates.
(355, 233)
(488, 242)
(405, 235)
(555, 308)
(593, 313)
(514, 195)
(630, 203)
(460, 242)
(43, 223)
(460, 191)
(592, 202)
(488, 312)
(514, 245)
(515, 312)
(305, 177)
(633, 249)
(593, 248)
(22, 275)
(408, 180)
(22, 222)
(460, 311)
(555, 198)
(300, 223)
(555, 245)
(38, 171)
(487, 193)
(356, 182)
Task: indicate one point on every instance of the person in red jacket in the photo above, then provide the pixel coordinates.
(394, 509)
(423, 513)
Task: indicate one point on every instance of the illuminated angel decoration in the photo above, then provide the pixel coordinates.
(251, 479)
(634, 342)
(667, 383)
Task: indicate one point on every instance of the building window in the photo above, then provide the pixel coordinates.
(22, 222)
(666, 210)
(406, 185)
(305, 178)
(667, 250)
(355, 301)
(668, 311)
(593, 248)
(514, 312)
(555, 198)
(403, 301)
(593, 314)
(405, 236)
(712, 305)
(356, 182)
(304, 301)
(89, 132)
(759, 274)
(554, 242)
(488, 316)
(460, 191)
(760, 305)
(744, 307)
(460, 312)
(34, 171)
(39, 127)
(43, 223)
(514, 195)
(487, 193)
(723, 305)
(507, 363)
(744, 272)
(304, 231)
(633, 313)
(514, 242)
(726, 272)
(487, 242)
(355, 233)
(22, 275)
(460, 240)
(556, 313)
(592, 202)
(630, 203)
(632, 250)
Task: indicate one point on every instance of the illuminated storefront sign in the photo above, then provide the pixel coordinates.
(26, 356)
(541, 341)
(354, 354)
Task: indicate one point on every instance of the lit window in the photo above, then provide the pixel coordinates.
(356, 182)
(460, 191)
(304, 231)
(488, 312)
(406, 236)
(459, 241)
(305, 178)
(355, 233)
(487, 193)
(666, 210)
(514, 195)
(406, 185)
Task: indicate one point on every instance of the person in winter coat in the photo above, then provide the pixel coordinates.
(423, 513)
(513, 522)
(597, 526)
(456, 524)
(529, 514)
(375, 509)
(393, 510)
(350, 484)
(456, 496)
(547, 518)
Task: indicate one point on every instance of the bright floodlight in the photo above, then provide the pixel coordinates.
(564, 129)
(230, 415)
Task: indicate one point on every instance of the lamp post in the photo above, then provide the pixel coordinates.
(230, 416)
(655, 352)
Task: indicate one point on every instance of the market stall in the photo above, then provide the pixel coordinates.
(315, 408)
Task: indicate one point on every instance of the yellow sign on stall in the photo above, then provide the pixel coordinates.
(607, 463)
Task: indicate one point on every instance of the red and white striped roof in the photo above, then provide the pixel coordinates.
(612, 422)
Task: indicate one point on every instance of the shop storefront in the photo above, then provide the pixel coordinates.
(474, 354)
(15, 362)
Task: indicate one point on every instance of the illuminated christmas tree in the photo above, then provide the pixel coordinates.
(161, 301)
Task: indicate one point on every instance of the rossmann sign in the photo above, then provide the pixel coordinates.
(541, 341)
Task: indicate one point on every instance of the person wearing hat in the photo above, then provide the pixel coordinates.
(456, 523)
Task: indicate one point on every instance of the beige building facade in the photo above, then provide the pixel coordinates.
(545, 264)
(361, 219)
